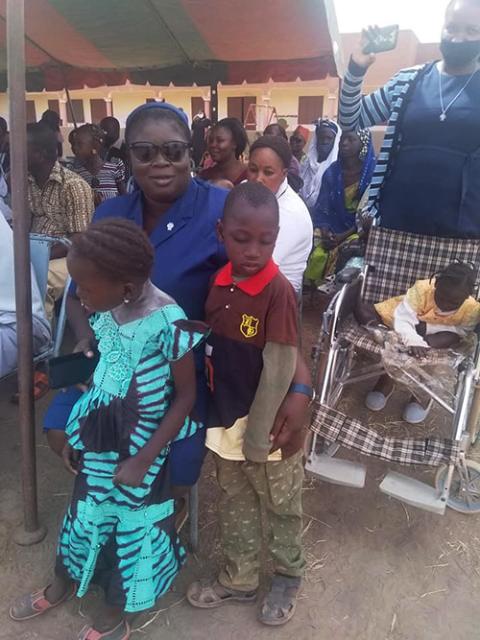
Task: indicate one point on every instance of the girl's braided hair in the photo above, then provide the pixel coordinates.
(458, 275)
(118, 248)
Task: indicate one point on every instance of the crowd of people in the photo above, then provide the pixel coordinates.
(188, 283)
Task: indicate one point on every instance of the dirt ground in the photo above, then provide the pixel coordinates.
(376, 570)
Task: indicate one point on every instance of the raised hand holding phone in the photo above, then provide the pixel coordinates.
(364, 60)
(375, 40)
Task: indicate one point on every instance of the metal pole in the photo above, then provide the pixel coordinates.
(31, 532)
(69, 102)
(214, 102)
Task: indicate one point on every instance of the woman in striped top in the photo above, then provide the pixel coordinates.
(426, 178)
(107, 178)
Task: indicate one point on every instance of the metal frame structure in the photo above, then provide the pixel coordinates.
(333, 371)
(32, 531)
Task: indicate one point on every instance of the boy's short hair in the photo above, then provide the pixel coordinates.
(253, 193)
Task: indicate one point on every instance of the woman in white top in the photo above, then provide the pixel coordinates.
(270, 158)
(8, 319)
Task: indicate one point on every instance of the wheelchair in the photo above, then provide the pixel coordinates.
(394, 260)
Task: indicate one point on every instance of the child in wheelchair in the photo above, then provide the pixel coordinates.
(435, 313)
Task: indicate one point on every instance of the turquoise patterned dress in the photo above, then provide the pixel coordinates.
(120, 537)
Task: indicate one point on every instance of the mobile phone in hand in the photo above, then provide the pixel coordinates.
(72, 369)
(381, 39)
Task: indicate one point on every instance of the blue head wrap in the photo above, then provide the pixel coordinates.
(181, 115)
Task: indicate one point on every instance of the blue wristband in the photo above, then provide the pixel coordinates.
(304, 389)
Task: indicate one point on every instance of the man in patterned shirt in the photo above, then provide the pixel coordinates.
(60, 202)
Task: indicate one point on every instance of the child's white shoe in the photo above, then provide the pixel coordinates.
(414, 413)
(376, 400)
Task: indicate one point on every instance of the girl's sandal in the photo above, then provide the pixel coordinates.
(36, 604)
(120, 632)
(210, 595)
(40, 387)
(278, 606)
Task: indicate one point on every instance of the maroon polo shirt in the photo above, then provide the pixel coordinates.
(243, 317)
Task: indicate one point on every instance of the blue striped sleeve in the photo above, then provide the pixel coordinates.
(357, 111)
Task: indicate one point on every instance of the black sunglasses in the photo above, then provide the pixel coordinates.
(147, 152)
(296, 139)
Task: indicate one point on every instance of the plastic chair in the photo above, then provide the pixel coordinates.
(40, 250)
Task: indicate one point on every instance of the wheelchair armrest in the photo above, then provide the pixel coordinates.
(347, 275)
(343, 304)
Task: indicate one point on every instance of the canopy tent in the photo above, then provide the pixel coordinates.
(106, 42)
(63, 44)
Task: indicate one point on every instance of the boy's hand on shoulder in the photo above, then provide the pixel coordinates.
(131, 471)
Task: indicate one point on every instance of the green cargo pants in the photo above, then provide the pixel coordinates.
(246, 487)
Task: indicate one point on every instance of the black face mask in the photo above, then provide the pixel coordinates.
(460, 54)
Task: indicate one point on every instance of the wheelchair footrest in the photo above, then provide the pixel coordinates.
(337, 471)
(413, 492)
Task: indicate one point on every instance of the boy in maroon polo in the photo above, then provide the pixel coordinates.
(251, 359)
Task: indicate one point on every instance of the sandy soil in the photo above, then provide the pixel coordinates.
(377, 570)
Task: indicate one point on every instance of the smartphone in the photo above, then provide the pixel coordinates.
(67, 371)
(381, 39)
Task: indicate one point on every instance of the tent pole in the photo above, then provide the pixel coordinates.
(69, 102)
(214, 102)
(31, 531)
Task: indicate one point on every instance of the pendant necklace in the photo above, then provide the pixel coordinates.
(445, 109)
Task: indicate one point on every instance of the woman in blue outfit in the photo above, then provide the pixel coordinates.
(179, 214)
(334, 215)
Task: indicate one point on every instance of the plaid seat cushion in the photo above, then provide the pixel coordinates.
(357, 335)
(335, 426)
(397, 259)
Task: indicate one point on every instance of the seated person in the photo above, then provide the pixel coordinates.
(298, 142)
(60, 202)
(334, 214)
(105, 177)
(226, 144)
(434, 313)
(294, 179)
(8, 320)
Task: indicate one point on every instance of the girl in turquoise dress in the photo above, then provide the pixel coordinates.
(119, 530)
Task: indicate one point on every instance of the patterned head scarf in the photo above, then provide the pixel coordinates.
(366, 140)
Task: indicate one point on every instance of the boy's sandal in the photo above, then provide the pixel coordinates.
(209, 595)
(120, 632)
(35, 604)
(278, 606)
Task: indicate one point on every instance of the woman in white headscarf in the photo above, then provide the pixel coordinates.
(321, 153)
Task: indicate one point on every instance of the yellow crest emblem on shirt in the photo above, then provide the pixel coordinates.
(249, 326)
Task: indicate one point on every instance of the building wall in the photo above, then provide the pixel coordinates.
(122, 100)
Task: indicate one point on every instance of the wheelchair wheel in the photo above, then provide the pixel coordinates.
(343, 366)
(464, 493)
